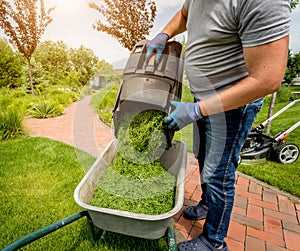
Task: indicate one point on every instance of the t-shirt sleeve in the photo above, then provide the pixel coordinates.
(261, 22)
(186, 4)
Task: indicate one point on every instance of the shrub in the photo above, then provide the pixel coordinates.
(63, 96)
(63, 99)
(105, 115)
(18, 94)
(15, 98)
(10, 66)
(5, 101)
(85, 91)
(108, 97)
(284, 94)
(57, 92)
(45, 109)
(11, 123)
(104, 101)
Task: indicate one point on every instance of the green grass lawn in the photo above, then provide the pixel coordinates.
(38, 177)
(283, 176)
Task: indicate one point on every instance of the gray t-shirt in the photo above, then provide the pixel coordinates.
(217, 32)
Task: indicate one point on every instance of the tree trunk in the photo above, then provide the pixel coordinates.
(270, 113)
(30, 76)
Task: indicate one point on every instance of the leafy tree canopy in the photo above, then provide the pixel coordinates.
(59, 62)
(294, 3)
(10, 66)
(127, 21)
(52, 55)
(293, 67)
(24, 22)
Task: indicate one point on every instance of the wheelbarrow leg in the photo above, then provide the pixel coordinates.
(171, 239)
(91, 229)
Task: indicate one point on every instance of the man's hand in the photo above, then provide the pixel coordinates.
(184, 114)
(156, 45)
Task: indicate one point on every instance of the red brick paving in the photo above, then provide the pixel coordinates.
(263, 218)
(78, 126)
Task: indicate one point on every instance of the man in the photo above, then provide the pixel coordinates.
(236, 54)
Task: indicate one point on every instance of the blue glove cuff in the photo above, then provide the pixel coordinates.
(197, 110)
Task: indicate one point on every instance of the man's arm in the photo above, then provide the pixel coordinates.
(266, 65)
(177, 24)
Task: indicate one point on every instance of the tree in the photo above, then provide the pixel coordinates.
(294, 3)
(127, 21)
(64, 66)
(39, 78)
(54, 59)
(24, 22)
(293, 67)
(10, 66)
(105, 68)
(53, 56)
(85, 62)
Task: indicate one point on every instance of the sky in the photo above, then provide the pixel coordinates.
(73, 20)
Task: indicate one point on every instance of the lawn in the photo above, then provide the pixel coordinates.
(38, 177)
(283, 176)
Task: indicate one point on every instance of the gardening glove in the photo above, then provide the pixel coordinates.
(156, 45)
(184, 114)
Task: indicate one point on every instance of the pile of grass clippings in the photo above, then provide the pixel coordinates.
(135, 181)
(142, 136)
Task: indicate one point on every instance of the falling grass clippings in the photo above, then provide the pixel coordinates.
(142, 136)
(135, 181)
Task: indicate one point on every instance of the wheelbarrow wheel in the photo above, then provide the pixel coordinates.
(286, 153)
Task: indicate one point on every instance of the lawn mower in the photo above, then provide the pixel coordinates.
(259, 146)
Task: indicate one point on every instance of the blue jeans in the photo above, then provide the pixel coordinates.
(220, 138)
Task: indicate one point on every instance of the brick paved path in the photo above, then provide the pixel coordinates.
(263, 218)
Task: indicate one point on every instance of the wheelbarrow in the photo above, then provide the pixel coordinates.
(144, 86)
(129, 223)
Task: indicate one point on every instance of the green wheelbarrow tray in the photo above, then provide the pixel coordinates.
(129, 223)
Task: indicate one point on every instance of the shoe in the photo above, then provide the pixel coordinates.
(197, 212)
(199, 244)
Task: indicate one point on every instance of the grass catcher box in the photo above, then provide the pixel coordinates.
(149, 84)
